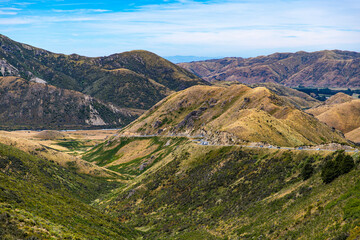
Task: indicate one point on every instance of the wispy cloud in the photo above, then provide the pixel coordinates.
(9, 10)
(81, 11)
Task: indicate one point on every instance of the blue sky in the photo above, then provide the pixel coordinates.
(184, 27)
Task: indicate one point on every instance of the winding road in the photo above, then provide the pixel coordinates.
(199, 141)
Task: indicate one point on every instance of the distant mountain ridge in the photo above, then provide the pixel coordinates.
(310, 69)
(136, 79)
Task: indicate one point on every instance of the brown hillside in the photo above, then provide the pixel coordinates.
(232, 114)
(354, 135)
(25, 104)
(338, 98)
(343, 116)
(297, 98)
(316, 69)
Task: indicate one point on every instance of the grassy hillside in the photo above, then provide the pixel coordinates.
(233, 114)
(217, 192)
(60, 151)
(42, 200)
(299, 99)
(25, 104)
(136, 79)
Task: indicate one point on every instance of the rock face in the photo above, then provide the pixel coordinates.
(136, 79)
(233, 114)
(25, 104)
(317, 69)
(6, 69)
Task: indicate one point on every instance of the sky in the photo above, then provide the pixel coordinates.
(208, 28)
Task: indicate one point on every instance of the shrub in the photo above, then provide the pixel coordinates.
(339, 165)
(307, 171)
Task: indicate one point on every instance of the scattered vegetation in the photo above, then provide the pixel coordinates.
(227, 192)
(42, 200)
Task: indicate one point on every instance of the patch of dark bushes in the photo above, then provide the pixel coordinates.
(336, 165)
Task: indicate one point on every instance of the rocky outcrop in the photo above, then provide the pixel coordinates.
(6, 69)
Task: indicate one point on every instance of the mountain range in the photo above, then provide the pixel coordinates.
(309, 69)
(136, 79)
(219, 160)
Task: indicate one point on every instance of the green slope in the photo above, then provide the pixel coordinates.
(214, 192)
(41, 200)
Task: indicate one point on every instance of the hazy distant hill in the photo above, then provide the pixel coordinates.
(229, 114)
(181, 59)
(316, 69)
(136, 79)
(25, 104)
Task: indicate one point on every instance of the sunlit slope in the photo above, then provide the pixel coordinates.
(297, 98)
(233, 114)
(341, 112)
(50, 153)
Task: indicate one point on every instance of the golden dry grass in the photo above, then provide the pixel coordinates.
(48, 149)
(342, 116)
(249, 114)
(354, 135)
(50, 135)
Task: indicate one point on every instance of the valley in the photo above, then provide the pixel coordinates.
(132, 146)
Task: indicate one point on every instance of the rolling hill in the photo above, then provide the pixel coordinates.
(341, 112)
(298, 99)
(233, 114)
(27, 104)
(315, 69)
(135, 79)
